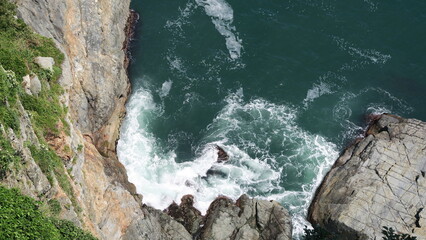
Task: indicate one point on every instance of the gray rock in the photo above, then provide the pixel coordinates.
(35, 85)
(186, 214)
(155, 224)
(45, 62)
(247, 219)
(26, 84)
(379, 181)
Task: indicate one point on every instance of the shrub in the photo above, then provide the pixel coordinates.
(391, 235)
(9, 88)
(21, 218)
(69, 231)
(318, 233)
(54, 207)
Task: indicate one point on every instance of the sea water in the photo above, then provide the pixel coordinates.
(281, 85)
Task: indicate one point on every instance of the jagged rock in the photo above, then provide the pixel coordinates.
(222, 156)
(379, 181)
(45, 62)
(35, 85)
(247, 219)
(186, 214)
(155, 224)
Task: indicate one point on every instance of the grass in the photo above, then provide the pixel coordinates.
(19, 46)
(8, 156)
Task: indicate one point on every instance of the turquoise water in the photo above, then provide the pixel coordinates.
(282, 86)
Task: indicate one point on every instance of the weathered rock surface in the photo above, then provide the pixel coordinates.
(378, 181)
(45, 62)
(247, 219)
(186, 214)
(35, 85)
(26, 84)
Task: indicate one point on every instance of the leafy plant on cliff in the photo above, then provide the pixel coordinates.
(8, 89)
(318, 233)
(51, 165)
(19, 46)
(8, 155)
(21, 218)
(389, 234)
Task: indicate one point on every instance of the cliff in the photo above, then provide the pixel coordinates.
(378, 181)
(87, 179)
(91, 36)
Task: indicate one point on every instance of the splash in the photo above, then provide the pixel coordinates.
(222, 16)
(271, 157)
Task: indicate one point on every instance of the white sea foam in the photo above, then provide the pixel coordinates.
(165, 88)
(222, 16)
(316, 91)
(370, 55)
(374, 101)
(266, 147)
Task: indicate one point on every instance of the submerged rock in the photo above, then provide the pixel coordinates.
(222, 156)
(378, 181)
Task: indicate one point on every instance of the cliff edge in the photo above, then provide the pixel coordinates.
(378, 181)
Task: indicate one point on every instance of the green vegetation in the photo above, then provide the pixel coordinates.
(8, 91)
(318, 233)
(51, 165)
(8, 155)
(391, 235)
(21, 218)
(19, 46)
(54, 207)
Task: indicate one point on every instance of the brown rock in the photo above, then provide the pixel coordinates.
(186, 214)
(222, 156)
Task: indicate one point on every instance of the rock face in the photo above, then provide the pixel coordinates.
(91, 34)
(247, 219)
(186, 214)
(378, 181)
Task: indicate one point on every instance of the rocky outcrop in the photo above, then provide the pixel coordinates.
(378, 181)
(186, 214)
(91, 34)
(245, 219)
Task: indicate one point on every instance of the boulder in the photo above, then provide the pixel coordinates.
(222, 156)
(45, 62)
(247, 219)
(35, 85)
(26, 84)
(378, 181)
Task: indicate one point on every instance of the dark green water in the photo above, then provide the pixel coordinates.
(281, 85)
